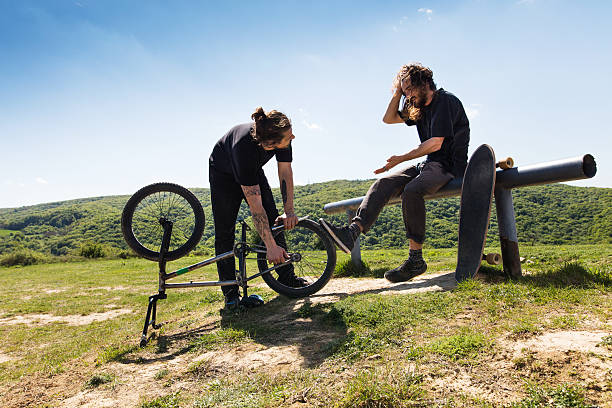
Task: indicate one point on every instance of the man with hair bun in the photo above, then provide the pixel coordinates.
(444, 133)
(236, 173)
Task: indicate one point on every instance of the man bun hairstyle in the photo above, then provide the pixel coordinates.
(269, 127)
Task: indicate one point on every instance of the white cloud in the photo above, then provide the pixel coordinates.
(306, 122)
(427, 12)
(311, 126)
(41, 180)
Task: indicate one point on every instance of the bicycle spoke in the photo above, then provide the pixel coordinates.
(170, 206)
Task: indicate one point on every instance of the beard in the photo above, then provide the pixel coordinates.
(414, 105)
(419, 100)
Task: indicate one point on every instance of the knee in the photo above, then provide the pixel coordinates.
(381, 183)
(412, 192)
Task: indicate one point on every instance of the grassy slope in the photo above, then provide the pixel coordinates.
(552, 214)
(375, 338)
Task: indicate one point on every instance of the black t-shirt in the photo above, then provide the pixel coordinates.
(239, 155)
(445, 117)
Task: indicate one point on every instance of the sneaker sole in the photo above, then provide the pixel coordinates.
(334, 237)
(408, 279)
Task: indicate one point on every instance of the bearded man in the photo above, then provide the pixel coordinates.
(444, 132)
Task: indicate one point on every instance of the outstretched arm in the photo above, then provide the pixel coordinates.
(429, 146)
(285, 176)
(275, 253)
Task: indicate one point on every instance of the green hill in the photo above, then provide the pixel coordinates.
(551, 214)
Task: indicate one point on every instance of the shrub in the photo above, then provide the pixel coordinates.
(22, 257)
(166, 401)
(466, 344)
(99, 379)
(564, 395)
(381, 389)
(92, 250)
(349, 268)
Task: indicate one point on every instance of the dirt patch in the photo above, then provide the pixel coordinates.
(111, 288)
(342, 287)
(103, 398)
(5, 358)
(253, 357)
(50, 291)
(494, 386)
(72, 320)
(562, 357)
(581, 341)
(557, 357)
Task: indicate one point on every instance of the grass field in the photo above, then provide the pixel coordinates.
(70, 337)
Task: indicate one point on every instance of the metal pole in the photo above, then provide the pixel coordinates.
(577, 168)
(507, 232)
(356, 251)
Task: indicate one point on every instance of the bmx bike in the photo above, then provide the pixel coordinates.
(163, 222)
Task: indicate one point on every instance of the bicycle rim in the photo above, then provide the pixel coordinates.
(151, 205)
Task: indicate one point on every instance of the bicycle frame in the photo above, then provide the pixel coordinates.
(241, 249)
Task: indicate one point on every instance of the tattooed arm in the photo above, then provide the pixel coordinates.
(285, 176)
(275, 253)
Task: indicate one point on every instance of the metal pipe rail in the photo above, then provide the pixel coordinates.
(576, 168)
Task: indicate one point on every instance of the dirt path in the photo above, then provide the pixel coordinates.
(137, 380)
(73, 320)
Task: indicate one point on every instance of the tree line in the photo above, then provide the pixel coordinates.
(551, 214)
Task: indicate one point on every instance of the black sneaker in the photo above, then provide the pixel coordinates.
(252, 301)
(232, 301)
(292, 281)
(406, 271)
(343, 237)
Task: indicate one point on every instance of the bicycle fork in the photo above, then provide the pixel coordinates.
(152, 308)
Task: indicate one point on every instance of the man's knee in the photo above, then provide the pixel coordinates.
(413, 191)
(378, 185)
(384, 187)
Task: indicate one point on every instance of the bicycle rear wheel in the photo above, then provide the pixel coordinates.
(148, 207)
(317, 259)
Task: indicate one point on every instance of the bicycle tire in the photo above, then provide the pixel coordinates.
(142, 229)
(322, 250)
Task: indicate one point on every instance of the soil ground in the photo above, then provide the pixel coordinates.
(576, 355)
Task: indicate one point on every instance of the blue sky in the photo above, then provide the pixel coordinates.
(103, 97)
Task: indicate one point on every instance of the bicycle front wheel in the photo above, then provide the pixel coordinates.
(142, 217)
(317, 259)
